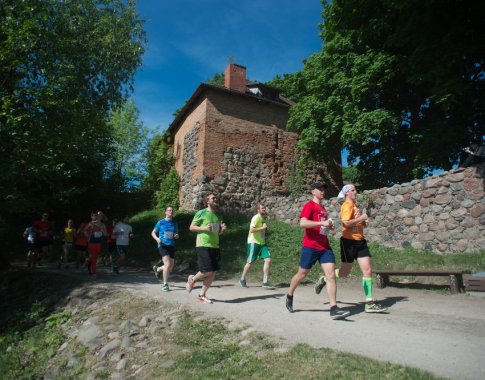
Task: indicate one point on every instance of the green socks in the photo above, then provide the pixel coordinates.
(367, 284)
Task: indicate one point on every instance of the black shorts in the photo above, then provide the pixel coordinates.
(208, 259)
(165, 250)
(32, 246)
(351, 250)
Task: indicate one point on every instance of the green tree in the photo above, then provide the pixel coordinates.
(217, 79)
(63, 67)
(159, 160)
(399, 85)
(126, 167)
(168, 195)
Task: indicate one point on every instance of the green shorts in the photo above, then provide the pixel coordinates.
(257, 250)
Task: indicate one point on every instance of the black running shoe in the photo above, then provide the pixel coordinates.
(289, 303)
(336, 313)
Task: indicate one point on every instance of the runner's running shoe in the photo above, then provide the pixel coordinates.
(267, 285)
(289, 303)
(190, 283)
(320, 284)
(374, 307)
(204, 299)
(336, 313)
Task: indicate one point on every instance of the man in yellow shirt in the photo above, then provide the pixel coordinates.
(353, 247)
(257, 247)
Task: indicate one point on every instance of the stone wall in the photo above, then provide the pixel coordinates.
(444, 213)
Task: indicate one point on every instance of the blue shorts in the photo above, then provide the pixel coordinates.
(310, 256)
(122, 250)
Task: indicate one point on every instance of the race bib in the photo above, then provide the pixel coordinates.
(97, 234)
(215, 227)
(168, 235)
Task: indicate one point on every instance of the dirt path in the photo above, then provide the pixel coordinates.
(440, 333)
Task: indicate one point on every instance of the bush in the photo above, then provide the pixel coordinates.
(168, 195)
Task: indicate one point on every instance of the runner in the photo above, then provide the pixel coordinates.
(32, 247)
(208, 226)
(44, 232)
(81, 245)
(165, 232)
(315, 247)
(94, 231)
(257, 247)
(111, 241)
(353, 246)
(123, 232)
(68, 236)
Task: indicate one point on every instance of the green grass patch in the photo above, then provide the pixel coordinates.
(284, 242)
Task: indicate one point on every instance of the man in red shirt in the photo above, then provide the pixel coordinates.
(315, 247)
(44, 235)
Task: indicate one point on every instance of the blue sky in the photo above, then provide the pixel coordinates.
(190, 40)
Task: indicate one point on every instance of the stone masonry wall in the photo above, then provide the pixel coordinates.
(444, 213)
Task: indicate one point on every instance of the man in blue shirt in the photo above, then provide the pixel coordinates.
(165, 232)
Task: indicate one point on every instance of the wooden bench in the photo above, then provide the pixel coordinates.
(475, 284)
(455, 276)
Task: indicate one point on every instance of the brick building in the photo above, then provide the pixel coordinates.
(232, 140)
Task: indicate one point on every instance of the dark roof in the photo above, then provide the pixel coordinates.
(273, 98)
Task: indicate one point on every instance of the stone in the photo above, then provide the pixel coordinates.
(428, 236)
(417, 245)
(402, 213)
(432, 183)
(414, 229)
(442, 236)
(458, 213)
(408, 221)
(90, 334)
(477, 210)
(121, 365)
(424, 202)
(127, 342)
(456, 187)
(469, 222)
(444, 216)
(418, 220)
(423, 228)
(109, 347)
(144, 321)
(442, 247)
(127, 327)
(409, 204)
(416, 196)
(442, 199)
(455, 177)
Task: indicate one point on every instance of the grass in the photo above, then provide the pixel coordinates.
(284, 243)
(30, 333)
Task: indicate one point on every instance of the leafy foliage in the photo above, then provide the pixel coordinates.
(399, 84)
(159, 160)
(125, 170)
(64, 66)
(217, 79)
(168, 195)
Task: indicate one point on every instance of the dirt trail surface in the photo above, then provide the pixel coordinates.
(440, 333)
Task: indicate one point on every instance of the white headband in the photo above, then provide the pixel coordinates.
(344, 191)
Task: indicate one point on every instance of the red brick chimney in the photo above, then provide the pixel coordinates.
(235, 77)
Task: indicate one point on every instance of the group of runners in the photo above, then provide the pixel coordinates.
(208, 225)
(84, 243)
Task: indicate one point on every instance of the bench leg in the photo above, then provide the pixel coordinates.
(381, 280)
(454, 285)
